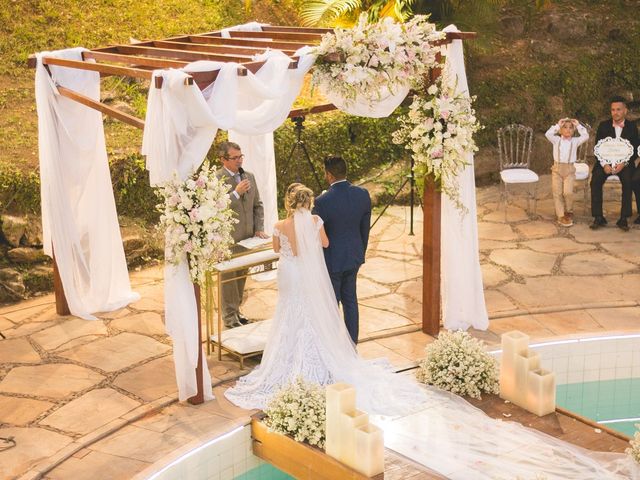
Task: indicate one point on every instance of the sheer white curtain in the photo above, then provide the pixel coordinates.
(463, 304)
(79, 219)
(179, 129)
(180, 126)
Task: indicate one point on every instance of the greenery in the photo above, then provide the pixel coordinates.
(364, 142)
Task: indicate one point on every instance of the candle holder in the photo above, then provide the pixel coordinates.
(522, 381)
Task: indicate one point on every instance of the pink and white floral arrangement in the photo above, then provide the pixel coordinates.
(197, 221)
(371, 58)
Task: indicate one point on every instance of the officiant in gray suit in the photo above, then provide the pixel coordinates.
(247, 206)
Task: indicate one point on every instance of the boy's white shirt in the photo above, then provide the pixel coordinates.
(564, 150)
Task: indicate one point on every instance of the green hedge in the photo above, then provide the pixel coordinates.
(365, 143)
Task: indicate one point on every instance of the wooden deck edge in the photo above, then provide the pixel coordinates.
(592, 423)
(298, 459)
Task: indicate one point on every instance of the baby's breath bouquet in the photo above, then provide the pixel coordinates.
(298, 410)
(197, 221)
(457, 362)
(371, 58)
(438, 129)
(634, 450)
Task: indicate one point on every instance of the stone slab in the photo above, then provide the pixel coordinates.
(259, 304)
(526, 324)
(628, 251)
(373, 320)
(395, 302)
(90, 411)
(32, 446)
(146, 323)
(150, 381)
(524, 262)
(492, 275)
(557, 245)
(617, 319)
(139, 444)
(567, 323)
(368, 288)
(18, 350)
(55, 380)
(497, 301)
(514, 214)
(115, 353)
(372, 350)
(97, 466)
(485, 244)
(389, 271)
(537, 229)
(558, 290)
(68, 330)
(594, 263)
(19, 411)
(582, 233)
(182, 420)
(409, 345)
(412, 289)
(496, 231)
(26, 328)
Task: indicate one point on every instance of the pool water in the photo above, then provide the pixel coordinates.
(614, 403)
(264, 472)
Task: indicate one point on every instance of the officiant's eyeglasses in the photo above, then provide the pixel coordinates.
(237, 157)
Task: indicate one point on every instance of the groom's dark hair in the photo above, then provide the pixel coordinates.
(336, 166)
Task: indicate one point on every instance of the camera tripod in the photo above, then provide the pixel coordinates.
(411, 180)
(299, 144)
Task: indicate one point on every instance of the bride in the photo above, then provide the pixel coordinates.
(308, 337)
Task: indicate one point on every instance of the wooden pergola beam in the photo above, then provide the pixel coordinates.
(243, 42)
(101, 107)
(133, 60)
(299, 37)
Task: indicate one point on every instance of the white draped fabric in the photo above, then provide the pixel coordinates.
(179, 129)
(382, 108)
(79, 219)
(246, 27)
(180, 126)
(463, 304)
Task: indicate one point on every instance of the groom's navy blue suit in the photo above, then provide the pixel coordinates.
(346, 212)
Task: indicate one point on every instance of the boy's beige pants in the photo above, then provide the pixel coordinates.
(563, 177)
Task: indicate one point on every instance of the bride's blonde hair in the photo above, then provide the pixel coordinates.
(298, 196)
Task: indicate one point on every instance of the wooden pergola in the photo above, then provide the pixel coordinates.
(138, 60)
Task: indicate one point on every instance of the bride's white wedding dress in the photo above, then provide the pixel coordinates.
(308, 337)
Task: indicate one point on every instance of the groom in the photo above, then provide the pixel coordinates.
(346, 212)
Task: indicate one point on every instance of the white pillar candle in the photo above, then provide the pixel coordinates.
(513, 343)
(369, 450)
(525, 362)
(349, 422)
(541, 392)
(341, 398)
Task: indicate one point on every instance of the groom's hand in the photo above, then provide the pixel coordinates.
(261, 234)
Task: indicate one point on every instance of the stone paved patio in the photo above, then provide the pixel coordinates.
(97, 399)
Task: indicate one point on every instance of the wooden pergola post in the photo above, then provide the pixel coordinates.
(432, 218)
(431, 258)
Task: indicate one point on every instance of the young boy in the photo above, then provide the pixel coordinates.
(563, 172)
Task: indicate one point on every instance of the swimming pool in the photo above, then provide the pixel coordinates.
(597, 377)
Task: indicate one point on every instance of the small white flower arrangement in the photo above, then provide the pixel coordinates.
(634, 450)
(372, 58)
(197, 221)
(438, 130)
(299, 410)
(457, 362)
